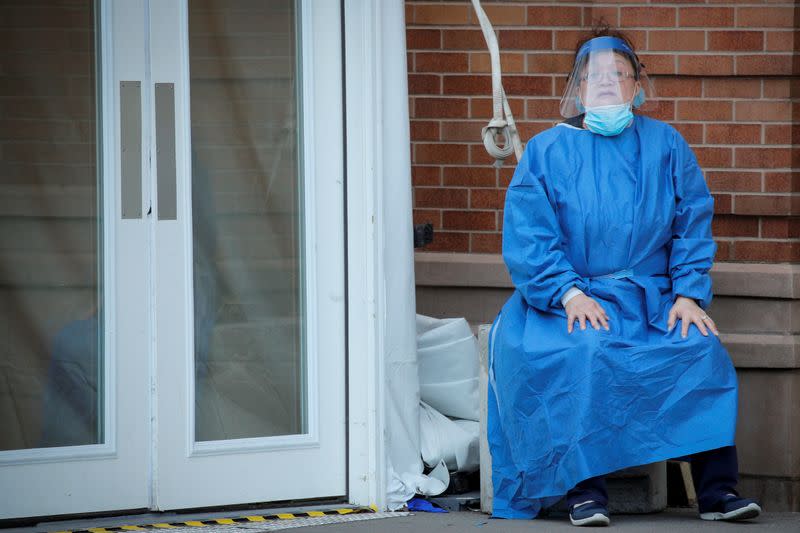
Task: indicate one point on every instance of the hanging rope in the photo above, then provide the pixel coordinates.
(500, 124)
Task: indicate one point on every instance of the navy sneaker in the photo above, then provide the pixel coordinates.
(732, 508)
(589, 513)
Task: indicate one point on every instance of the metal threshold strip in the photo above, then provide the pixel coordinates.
(260, 519)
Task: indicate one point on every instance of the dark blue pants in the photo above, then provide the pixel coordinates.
(715, 474)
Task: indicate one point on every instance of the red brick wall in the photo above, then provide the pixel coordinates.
(726, 75)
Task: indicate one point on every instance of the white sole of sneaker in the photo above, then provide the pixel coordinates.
(596, 519)
(748, 511)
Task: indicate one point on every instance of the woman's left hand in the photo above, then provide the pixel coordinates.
(689, 312)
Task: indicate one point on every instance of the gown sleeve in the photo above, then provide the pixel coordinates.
(532, 239)
(693, 247)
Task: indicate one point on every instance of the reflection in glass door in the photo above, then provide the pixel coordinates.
(247, 220)
(51, 356)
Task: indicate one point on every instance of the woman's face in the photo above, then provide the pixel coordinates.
(608, 78)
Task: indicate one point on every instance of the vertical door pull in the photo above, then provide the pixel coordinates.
(165, 151)
(130, 120)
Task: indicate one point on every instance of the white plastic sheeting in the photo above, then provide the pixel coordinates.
(454, 442)
(404, 463)
(447, 352)
(404, 485)
(395, 299)
(447, 360)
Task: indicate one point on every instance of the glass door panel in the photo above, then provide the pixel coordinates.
(51, 385)
(247, 220)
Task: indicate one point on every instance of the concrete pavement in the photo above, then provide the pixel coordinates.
(670, 521)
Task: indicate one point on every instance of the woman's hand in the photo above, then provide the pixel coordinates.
(583, 308)
(690, 313)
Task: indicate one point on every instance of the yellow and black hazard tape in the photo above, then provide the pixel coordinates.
(225, 521)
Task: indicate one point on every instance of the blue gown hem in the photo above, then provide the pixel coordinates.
(679, 452)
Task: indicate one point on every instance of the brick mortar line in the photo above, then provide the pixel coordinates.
(765, 194)
(744, 75)
(754, 146)
(480, 99)
(757, 145)
(467, 120)
(512, 98)
(676, 74)
(510, 167)
(728, 238)
(563, 52)
(759, 239)
(737, 216)
(733, 99)
(585, 28)
(644, 3)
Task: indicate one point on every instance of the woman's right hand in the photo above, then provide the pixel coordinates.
(583, 308)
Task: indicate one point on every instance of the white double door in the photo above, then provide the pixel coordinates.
(211, 368)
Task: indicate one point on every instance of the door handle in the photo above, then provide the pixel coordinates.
(130, 120)
(165, 151)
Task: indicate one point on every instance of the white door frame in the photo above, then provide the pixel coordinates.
(379, 231)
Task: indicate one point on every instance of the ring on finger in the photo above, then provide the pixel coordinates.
(705, 317)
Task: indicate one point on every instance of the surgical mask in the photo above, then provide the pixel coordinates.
(608, 120)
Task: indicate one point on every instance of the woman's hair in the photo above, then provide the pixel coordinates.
(601, 28)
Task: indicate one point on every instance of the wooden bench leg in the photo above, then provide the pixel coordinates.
(688, 482)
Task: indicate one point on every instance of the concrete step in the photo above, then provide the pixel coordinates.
(757, 350)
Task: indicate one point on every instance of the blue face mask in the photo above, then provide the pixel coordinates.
(608, 120)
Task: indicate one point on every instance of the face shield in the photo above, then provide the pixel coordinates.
(606, 72)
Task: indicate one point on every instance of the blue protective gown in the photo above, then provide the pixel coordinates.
(627, 219)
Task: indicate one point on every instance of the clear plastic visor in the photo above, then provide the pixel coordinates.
(603, 78)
